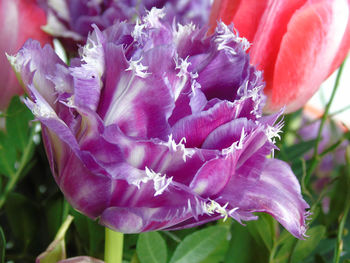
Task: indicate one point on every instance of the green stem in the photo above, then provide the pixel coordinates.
(23, 162)
(272, 253)
(134, 259)
(65, 210)
(316, 158)
(113, 246)
(290, 256)
(339, 246)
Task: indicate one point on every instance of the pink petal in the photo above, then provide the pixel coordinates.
(313, 37)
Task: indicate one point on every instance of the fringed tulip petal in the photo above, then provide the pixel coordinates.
(276, 191)
(146, 136)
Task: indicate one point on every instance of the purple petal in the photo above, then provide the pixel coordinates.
(81, 259)
(276, 192)
(30, 59)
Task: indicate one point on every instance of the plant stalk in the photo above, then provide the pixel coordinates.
(316, 157)
(113, 246)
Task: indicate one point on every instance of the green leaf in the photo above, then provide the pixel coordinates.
(151, 248)
(18, 117)
(199, 245)
(91, 234)
(53, 214)
(338, 198)
(241, 244)
(16, 138)
(300, 248)
(2, 246)
(297, 150)
(218, 254)
(130, 241)
(320, 259)
(22, 216)
(96, 238)
(7, 156)
(263, 230)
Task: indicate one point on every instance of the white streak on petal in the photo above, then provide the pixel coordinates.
(55, 27)
(136, 156)
(201, 187)
(124, 96)
(60, 7)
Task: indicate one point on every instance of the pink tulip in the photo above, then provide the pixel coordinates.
(297, 44)
(19, 20)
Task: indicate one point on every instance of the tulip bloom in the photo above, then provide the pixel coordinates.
(19, 20)
(73, 19)
(297, 44)
(159, 127)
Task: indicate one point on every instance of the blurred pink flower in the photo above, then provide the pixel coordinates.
(19, 20)
(297, 44)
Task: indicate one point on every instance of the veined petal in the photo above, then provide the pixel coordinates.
(170, 158)
(276, 192)
(195, 128)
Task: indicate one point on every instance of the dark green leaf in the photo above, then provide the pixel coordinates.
(2, 246)
(129, 246)
(7, 156)
(320, 259)
(297, 150)
(22, 216)
(263, 230)
(241, 244)
(151, 248)
(338, 198)
(90, 232)
(300, 249)
(54, 215)
(199, 245)
(96, 238)
(18, 117)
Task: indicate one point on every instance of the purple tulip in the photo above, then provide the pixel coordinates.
(160, 127)
(73, 19)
